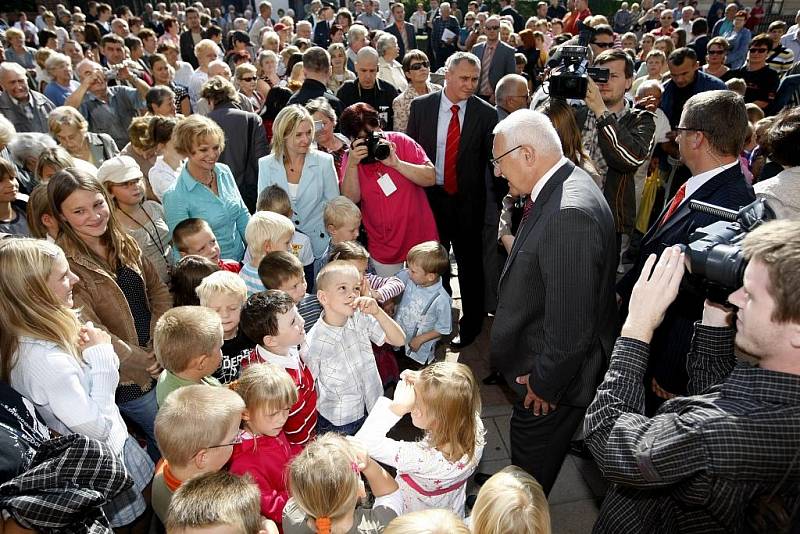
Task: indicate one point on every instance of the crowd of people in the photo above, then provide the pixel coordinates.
(227, 241)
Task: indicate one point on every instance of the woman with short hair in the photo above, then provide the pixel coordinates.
(70, 129)
(417, 69)
(327, 139)
(245, 79)
(163, 76)
(59, 68)
(389, 70)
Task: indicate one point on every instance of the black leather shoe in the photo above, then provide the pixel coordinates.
(481, 478)
(460, 342)
(493, 379)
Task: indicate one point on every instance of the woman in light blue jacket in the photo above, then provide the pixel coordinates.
(307, 174)
(206, 189)
(739, 40)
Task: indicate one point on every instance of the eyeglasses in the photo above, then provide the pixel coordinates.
(236, 441)
(603, 45)
(249, 79)
(418, 66)
(680, 129)
(715, 52)
(496, 161)
(759, 50)
(493, 28)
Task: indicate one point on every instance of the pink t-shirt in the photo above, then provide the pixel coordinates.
(397, 222)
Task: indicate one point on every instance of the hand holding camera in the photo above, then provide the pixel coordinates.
(374, 147)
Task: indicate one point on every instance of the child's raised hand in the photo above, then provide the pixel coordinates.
(404, 397)
(410, 376)
(365, 290)
(366, 305)
(360, 453)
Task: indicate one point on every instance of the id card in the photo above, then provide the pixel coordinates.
(386, 184)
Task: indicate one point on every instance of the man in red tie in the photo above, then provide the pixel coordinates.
(454, 127)
(710, 136)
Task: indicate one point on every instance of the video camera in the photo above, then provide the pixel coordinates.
(569, 77)
(714, 255)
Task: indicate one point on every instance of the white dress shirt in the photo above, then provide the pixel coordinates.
(544, 179)
(696, 182)
(441, 131)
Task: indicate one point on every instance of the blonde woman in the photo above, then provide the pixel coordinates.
(293, 160)
(267, 72)
(339, 70)
(68, 370)
(246, 78)
(511, 501)
(70, 129)
(296, 77)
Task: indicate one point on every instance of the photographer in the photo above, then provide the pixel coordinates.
(617, 137)
(726, 457)
(386, 172)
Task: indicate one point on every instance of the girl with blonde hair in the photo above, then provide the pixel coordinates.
(326, 489)
(444, 401)
(66, 369)
(435, 521)
(511, 501)
(119, 290)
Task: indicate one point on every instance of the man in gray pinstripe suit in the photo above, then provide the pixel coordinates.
(556, 314)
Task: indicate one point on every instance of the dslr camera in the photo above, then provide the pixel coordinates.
(378, 148)
(714, 254)
(569, 77)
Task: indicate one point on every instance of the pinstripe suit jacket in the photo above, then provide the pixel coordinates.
(556, 315)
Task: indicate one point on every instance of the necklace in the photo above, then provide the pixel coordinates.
(154, 239)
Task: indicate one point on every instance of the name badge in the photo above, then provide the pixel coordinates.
(386, 184)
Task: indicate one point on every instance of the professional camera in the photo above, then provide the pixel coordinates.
(714, 255)
(569, 77)
(378, 148)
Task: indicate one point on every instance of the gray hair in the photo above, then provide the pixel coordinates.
(506, 84)
(303, 23)
(55, 61)
(458, 57)
(7, 131)
(10, 66)
(385, 41)
(356, 32)
(27, 145)
(321, 105)
(648, 84)
(367, 53)
(218, 63)
(529, 127)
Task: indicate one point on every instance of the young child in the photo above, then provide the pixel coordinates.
(424, 313)
(195, 429)
(511, 501)
(264, 453)
(435, 521)
(275, 198)
(266, 232)
(283, 271)
(217, 502)
(226, 293)
(381, 288)
(339, 350)
(272, 318)
(342, 220)
(13, 219)
(41, 221)
(326, 487)
(194, 237)
(445, 402)
(186, 276)
(187, 341)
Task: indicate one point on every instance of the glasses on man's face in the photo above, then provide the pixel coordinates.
(680, 129)
(418, 66)
(759, 50)
(249, 79)
(715, 52)
(603, 45)
(496, 161)
(236, 441)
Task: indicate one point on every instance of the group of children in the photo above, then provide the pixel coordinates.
(265, 378)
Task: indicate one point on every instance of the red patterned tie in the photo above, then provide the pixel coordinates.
(679, 196)
(451, 153)
(526, 210)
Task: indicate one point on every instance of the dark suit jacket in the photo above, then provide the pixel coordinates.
(700, 46)
(322, 34)
(474, 150)
(556, 314)
(519, 21)
(502, 62)
(411, 35)
(187, 49)
(312, 89)
(671, 340)
(245, 143)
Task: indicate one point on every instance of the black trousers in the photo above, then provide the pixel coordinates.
(539, 443)
(465, 234)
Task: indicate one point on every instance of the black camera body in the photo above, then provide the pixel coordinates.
(714, 254)
(378, 148)
(570, 77)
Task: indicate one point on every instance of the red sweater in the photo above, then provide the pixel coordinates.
(266, 459)
(302, 422)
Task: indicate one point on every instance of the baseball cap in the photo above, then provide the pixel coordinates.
(118, 170)
(279, 26)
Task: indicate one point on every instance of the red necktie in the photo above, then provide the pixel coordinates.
(451, 153)
(526, 210)
(679, 196)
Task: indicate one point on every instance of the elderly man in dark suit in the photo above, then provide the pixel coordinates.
(402, 30)
(711, 133)
(497, 59)
(245, 140)
(556, 316)
(454, 127)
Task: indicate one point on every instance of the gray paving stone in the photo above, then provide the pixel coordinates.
(576, 517)
(570, 485)
(495, 447)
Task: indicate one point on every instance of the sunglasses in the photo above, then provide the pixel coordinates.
(493, 28)
(715, 52)
(603, 45)
(249, 79)
(419, 66)
(759, 50)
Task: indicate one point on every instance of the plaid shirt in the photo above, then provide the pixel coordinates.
(701, 460)
(69, 480)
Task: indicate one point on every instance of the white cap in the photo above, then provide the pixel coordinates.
(118, 170)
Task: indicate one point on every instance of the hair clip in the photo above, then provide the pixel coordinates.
(354, 467)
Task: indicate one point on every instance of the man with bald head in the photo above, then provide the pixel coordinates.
(27, 110)
(368, 88)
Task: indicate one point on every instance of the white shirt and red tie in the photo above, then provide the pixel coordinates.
(690, 187)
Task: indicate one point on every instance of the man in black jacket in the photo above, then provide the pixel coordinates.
(402, 30)
(191, 36)
(317, 69)
(369, 89)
